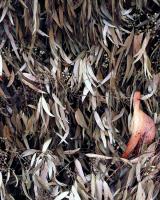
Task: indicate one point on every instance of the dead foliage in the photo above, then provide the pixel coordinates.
(68, 73)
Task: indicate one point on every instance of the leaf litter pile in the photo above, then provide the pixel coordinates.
(69, 69)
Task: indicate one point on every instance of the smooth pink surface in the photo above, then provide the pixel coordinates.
(142, 127)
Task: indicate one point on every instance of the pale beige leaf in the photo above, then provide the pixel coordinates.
(92, 155)
(99, 187)
(1, 65)
(90, 72)
(10, 18)
(39, 108)
(75, 193)
(130, 180)
(147, 65)
(56, 99)
(94, 102)
(4, 12)
(11, 80)
(137, 43)
(86, 79)
(107, 78)
(46, 107)
(63, 138)
(58, 117)
(151, 187)
(80, 72)
(76, 70)
(143, 48)
(80, 170)
(35, 7)
(80, 118)
(29, 152)
(62, 195)
(33, 159)
(119, 115)
(107, 192)
(98, 121)
(30, 77)
(85, 92)
(32, 86)
(1, 180)
(25, 191)
(42, 182)
(42, 33)
(8, 176)
(71, 152)
(128, 42)
(102, 133)
(93, 185)
(5, 69)
(46, 145)
(140, 192)
(65, 57)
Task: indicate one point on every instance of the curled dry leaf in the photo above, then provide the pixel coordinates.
(46, 145)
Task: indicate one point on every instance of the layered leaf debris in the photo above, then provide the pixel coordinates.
(68, 71)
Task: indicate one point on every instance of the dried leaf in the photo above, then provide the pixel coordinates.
(75, 193)
(62, 195)
(46, 145)
(1, 65)
(32, 86)
(11, 40)
(98, 121)
(7, 133)
(12, 77)
(56, 99)
(46, 106)
(99, 188)
(80, 118)
(80, 170)
(29, 152)
(107, 191)
(140, 192)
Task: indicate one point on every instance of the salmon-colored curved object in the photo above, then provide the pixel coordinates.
(142, 127)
